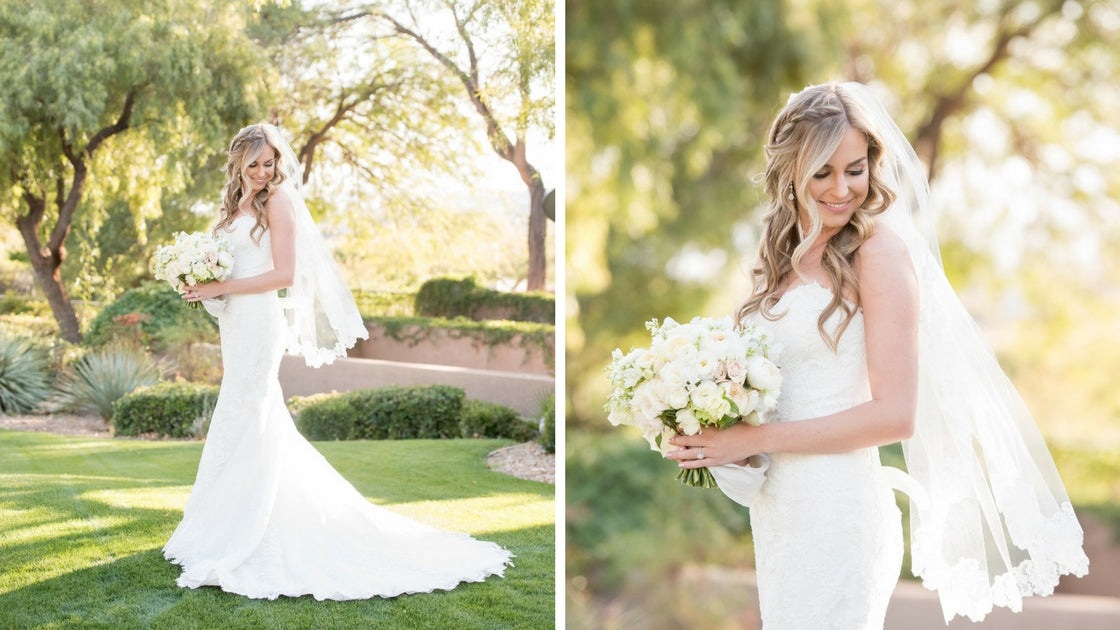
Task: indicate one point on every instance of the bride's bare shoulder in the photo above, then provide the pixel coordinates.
(883, 261)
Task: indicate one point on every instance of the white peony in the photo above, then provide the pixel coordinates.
(763, 374)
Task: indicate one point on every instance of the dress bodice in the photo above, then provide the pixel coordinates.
(815, 380)
(249, 257)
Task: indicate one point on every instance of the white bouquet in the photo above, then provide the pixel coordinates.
(193, 259)
(706, 373)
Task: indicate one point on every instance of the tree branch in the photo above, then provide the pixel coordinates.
(498, 139)
(929, 135)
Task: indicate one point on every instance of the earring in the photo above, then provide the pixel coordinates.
(791, 197)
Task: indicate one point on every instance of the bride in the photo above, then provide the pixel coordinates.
(267, 515)
(878, 349)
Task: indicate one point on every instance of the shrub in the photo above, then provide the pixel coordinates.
(179, 409)
(547, 438)
(96, 380)
(330, 418)
(24, 374)
(150, 315)
(486, 419)
(13, 304)
(461, 297)
(418, 411)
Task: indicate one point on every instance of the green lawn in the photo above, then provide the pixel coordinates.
(82, 522)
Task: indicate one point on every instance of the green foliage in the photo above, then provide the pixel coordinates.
(95, 381)
(386, 413)
(531, 336)
(630, 521)
(384, 303)
(174, 409)
(24, 374)
(151, 315)
(13, 304)
(330, 418)
(481, 418)
(547, 438)
(115, 110)
(462, 297)
(418, 411)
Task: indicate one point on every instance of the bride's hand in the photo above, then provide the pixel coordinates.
(731, 445)
(200, 292)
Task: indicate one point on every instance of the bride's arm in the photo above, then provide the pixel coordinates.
(889, 296)
(281, 226)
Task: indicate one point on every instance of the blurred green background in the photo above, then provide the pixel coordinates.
(1015, 109)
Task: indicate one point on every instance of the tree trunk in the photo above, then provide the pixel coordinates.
(537, 224)
(537, 220)
(46, 264)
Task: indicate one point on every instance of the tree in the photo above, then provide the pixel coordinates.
(503, 54)
(149, 90)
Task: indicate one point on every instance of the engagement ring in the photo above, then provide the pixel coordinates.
(700, 455)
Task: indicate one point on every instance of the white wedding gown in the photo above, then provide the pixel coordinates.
(268, 516)
(827, 532)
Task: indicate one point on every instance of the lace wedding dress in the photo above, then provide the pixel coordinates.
(827, 531)
(268, 516)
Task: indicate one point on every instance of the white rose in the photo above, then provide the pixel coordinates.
(647, 403)
(680, 374)
(763, 374)
(745, 399)
(708, 398)
(687, 422)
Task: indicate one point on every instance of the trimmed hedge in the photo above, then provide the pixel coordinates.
(179, 409)
(332, 418)
(396, 412)
(486, 419)
(461, 297)
(386, 413)
(152, 314)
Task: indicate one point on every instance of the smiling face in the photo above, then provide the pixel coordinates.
(261, 168)
(840, 186)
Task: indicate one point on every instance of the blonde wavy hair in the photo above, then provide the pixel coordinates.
(802, 139)
(245, 147)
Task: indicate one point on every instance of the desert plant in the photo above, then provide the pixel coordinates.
(24, 374)
(96, 380)
(486, 419)
(179, 409)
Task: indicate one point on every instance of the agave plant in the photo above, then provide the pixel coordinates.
(95, 381)
(24, 374)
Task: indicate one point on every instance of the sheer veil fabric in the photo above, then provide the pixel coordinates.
(990, 519)
(323, 319)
